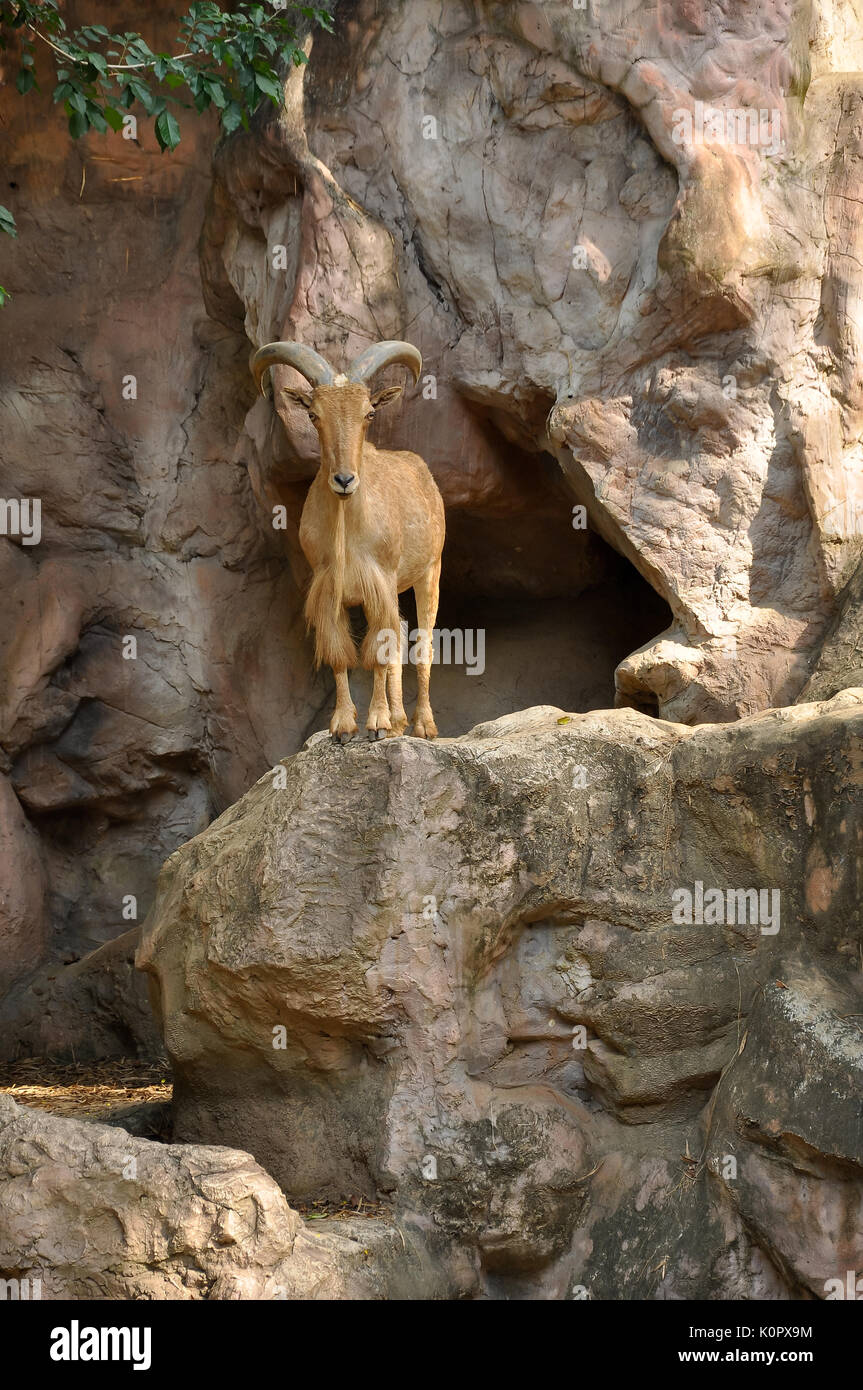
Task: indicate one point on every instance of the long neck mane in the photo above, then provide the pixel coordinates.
(339, 555)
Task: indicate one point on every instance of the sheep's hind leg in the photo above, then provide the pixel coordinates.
(343, 724)
(426, 592)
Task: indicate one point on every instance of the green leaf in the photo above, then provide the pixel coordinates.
(7, 222)
(4, 296)
(142, 92)
(217, 92)
(236, 57)
(167, 131)
(95, 117)
(269, 87)
(232, 117)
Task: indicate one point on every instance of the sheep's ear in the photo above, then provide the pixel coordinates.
(387, 393)
(299, 395)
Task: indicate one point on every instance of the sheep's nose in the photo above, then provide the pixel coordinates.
(344, 480)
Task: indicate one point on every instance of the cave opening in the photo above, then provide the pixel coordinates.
(534, 610)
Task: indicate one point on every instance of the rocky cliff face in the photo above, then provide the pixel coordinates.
(114, 752)
(622, 324)
(524, 191)
(566, 989)
(614, 317)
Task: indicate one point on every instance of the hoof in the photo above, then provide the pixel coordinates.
(375, 734)
(342, 738)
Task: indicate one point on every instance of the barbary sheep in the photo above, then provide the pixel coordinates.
(372, 527)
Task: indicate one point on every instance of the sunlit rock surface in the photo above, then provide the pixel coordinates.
(613, 316)
(464, 976)
(616, 318)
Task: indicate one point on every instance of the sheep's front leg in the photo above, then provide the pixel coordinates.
(378, 723)
(380, 647)
(427, 600)
(394, 693)
(343, 724)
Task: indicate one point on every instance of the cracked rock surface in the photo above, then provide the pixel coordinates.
(95, 1213)
(457, 974)
(664, 333)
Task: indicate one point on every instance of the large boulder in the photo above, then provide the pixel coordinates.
(493, 979)
(94, 1213)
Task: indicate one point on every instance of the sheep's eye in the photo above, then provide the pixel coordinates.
(312, 416)
(371, 415)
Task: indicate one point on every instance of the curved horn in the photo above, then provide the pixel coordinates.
(314, 368)
(364, 367)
